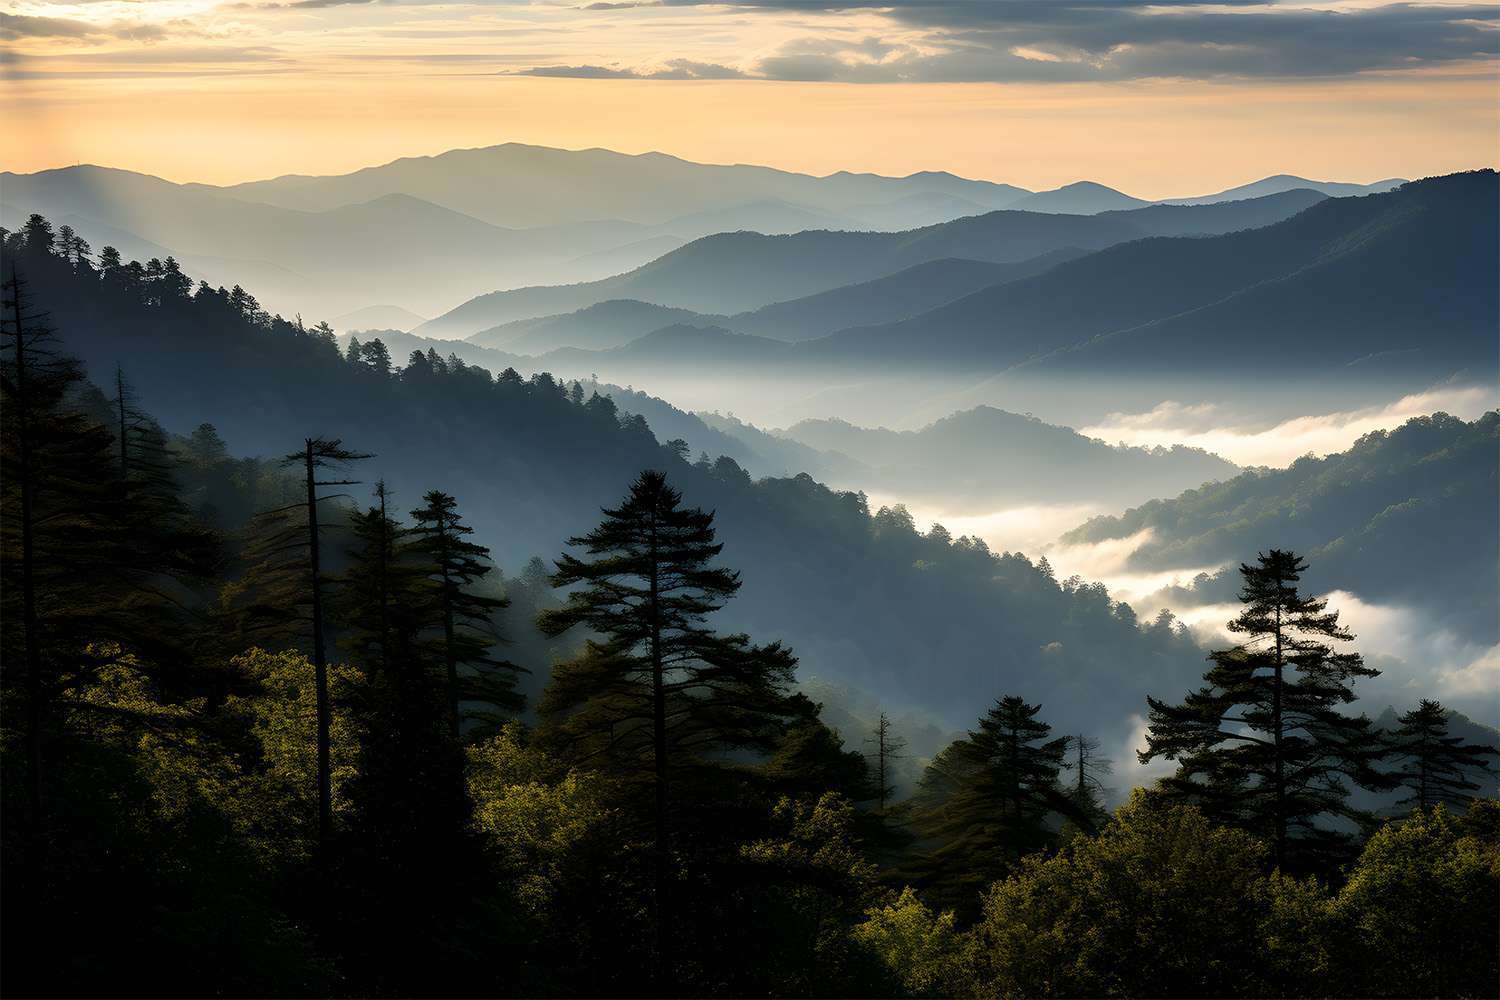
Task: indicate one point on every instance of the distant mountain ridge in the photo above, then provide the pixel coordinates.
(728, 273)
(425, 233)
(994, 456)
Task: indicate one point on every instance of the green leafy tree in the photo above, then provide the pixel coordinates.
(1263, 744)
(1421, 910)
(1156, 905)
(1434, 767)
(920, 948)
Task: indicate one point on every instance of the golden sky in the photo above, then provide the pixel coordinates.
(1161, 98)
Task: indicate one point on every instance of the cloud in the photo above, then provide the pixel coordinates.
(14, 27)
(17, 26)
(1202, 425)
(673, 69)
(1111, 40)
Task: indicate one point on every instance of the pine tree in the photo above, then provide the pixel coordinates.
(381, 595)
(1435, 767)
(1263, 745)
(656, 692)
(983, 802)
(51, 490)
(888, 750)
(462, 617)
(410, 855)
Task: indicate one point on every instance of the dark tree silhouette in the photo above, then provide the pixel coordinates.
(453, 565)
(889, 748)
(984, 800)
(657, 689)
(1088, 766)
(381, 595)
(1433, 766)
(1263, 744)
(318, 454)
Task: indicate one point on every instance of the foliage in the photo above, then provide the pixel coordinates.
(920, 948)
(1282, 762)
(1422, 905)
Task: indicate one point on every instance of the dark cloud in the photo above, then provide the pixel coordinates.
(1081, 40)
(674, 69)
(16, 26)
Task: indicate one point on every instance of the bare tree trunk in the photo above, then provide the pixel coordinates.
(659, 743)
(320, 670)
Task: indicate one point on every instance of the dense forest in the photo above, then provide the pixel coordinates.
(1404, 515)
(281, 726)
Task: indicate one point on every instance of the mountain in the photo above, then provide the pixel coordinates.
(906, 293)
(381, 317)
(1403, 517)
(1347, 278)
(728, 273)
(1081, 198)
(679, 345)
(529, 467)
(1400, 282)
(1221, 217)
(601, 326)
(394, 248)
(1288, 182)
(987, 456)
(517, 185)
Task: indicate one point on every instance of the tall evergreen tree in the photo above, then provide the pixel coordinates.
(1433, 766)
(381, 596)
(984, 801)
(1263, 745)
(410, 858)
(655, 691)
(463, 618)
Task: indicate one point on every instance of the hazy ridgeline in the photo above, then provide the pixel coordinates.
(468, 735)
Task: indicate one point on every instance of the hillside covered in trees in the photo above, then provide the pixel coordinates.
(276, 722)
(1404, 516)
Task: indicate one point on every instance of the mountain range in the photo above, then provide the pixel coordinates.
(729, 273)
(425, 233)
(986, 457)
(1403, 279)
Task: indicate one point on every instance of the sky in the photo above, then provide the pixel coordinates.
(1158, 99)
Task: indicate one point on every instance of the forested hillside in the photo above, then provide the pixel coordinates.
(533, 461)
(279, 725)
(1405, 516)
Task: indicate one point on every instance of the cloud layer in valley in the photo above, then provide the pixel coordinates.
(1248, 441)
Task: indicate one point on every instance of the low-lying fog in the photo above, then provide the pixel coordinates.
(1416, 659)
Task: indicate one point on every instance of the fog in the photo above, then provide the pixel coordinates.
(1255, 442)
